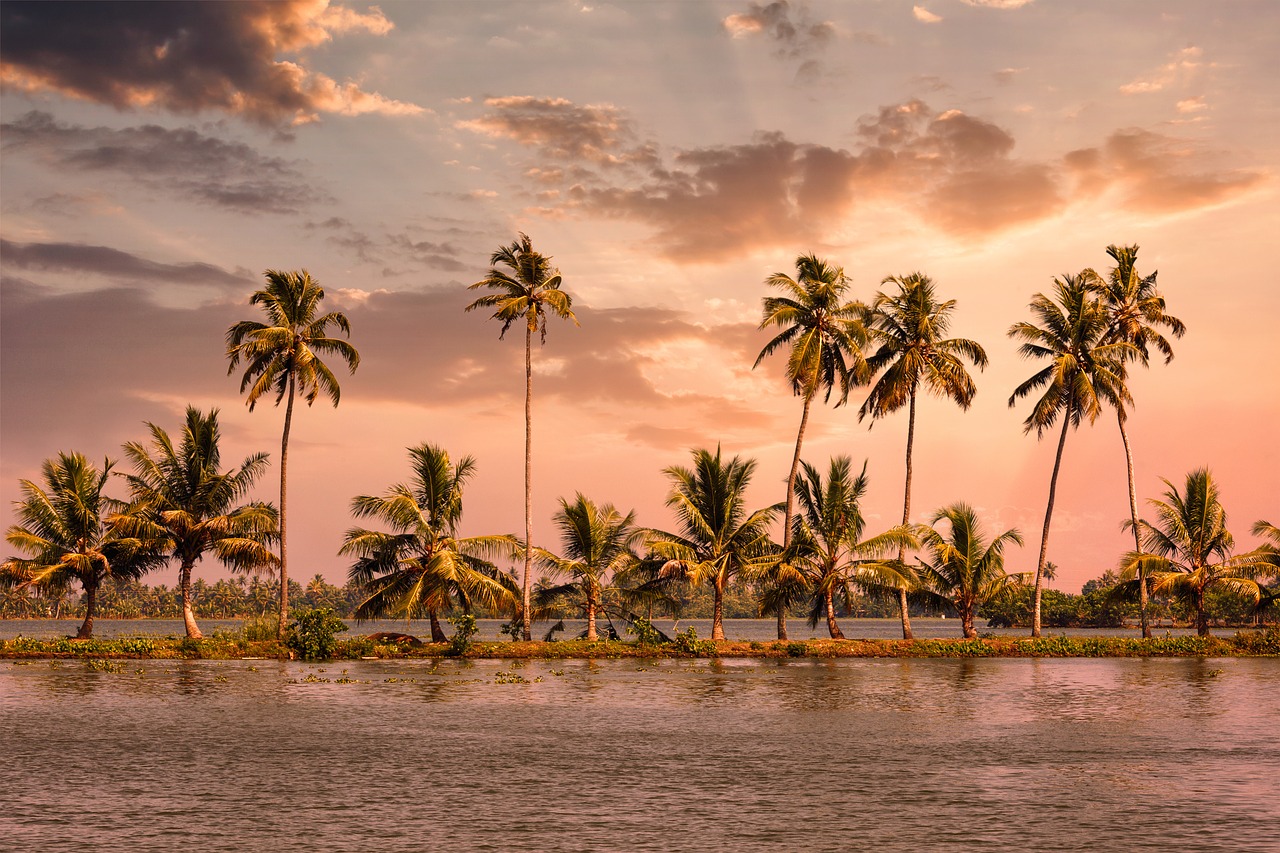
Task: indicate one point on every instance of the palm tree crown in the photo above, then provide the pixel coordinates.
(181, 495)
(71, 531)
(421, 567)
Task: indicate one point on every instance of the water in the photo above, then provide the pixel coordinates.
(734, 629)
(743, 755)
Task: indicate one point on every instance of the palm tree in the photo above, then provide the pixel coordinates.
(1085, 370)
(1187, 551)
(70, 531)
(283, 355)
(909, 328)
(965, 569)
(717, 538)
(422, 566)
(1269, 554)
(531, 290)
(181, 497)
(828, 544)
(825, 336)
(596, 541)
(1136, 309)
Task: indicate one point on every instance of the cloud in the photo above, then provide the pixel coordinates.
(791, 32)
(1181, 67)
(597, 133)
(924, 16)
(998, 4)
(182, 161)
(1159, 174)
(116, 265)
(1192, 105)
(189, 57)
(1007, 75)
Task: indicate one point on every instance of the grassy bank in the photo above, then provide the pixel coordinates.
(232, 647)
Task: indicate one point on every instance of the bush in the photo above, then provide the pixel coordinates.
(646, 634)
(464, 629)
(313, 633)
(687, 641)
(258, 629)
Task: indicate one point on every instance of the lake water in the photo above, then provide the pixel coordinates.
(734, 629)
(631, 755)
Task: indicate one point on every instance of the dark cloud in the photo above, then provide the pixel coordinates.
(791, 32)
(597, 133)
(114, 264)
(183, 161)
(188, 57)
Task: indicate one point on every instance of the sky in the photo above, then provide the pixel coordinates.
(156, 159)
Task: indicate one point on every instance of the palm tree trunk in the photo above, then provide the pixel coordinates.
(832, 627)
(906, 515)
(188, 616)
(528, 481)
(1202, 617)
(284, 548)
(591, 619)
(717, 612)
(1048, 515)
(437, 630)
(90, 605)
(791, 498)
(966, 623)
(1133, 517)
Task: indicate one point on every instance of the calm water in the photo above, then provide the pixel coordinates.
(734, 629)
(884, 755)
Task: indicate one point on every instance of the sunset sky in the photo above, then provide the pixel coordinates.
(669, 156)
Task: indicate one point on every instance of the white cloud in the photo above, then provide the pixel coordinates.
(924, 15)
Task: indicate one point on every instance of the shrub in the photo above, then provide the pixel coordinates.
(258, 629)
(464, 629)
(687, 641)
(313, 633)
(646, 634)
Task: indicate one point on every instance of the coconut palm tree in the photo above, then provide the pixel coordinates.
(1085, 370)
(422, 567)
(1136, 312)
(964, 568)
(717, 539)
(529, 291)
(596, 541)
(909, 328)
(1187, 552)
(70, 531)
(283, 356)
(828, 545)
(181, 496)
(824, 335)
(1269, 553)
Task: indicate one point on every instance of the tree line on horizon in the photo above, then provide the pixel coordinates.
(1086, 334)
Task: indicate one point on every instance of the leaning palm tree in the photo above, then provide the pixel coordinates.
(68, 529)
(1187, 552)
(965, 569)
(596, 542)
(530, 291)
(181, 496)
(909, 327)
(283, 356)
(422, 567)
(1085, 370)
(824, 335)
(717, 539)
(828, 543)
(1136, 311)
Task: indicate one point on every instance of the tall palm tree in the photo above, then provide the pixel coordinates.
(828, 544)
(964, 568)
(1187, 552)
(596, 541)
(1268, 553)
(283, 356)
(69, 530)
(1085, 370)
(183, 498)
(825, 335)
(530, 290)
(717, 539)
(422, 567)
(909, 329)
(1136, 310)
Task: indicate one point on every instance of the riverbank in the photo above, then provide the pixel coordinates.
(226, 647)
